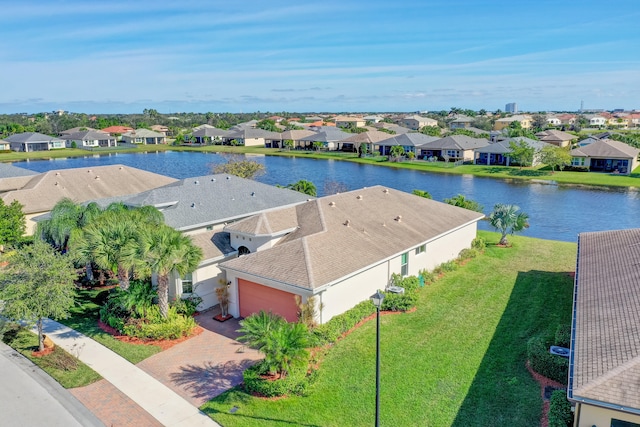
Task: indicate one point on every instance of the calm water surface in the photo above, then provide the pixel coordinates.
(556, 212)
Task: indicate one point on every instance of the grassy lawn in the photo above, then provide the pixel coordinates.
(500, 172)
(60, 365)
(84, 319)
(459, 360)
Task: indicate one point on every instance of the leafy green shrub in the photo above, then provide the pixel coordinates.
(332, 330)
(399, 302)
(155, 327)
(479, 244)
(563, 335)
(467, 253)
(545, 363)
(449, 266)
(560, 410)
(256, 382)
(187, 306)
(409, 283)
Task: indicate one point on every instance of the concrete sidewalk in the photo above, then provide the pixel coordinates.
(158, 400)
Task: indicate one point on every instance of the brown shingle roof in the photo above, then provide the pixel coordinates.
(607, 148)
(43, 191)
(606, 351)
(341, 234)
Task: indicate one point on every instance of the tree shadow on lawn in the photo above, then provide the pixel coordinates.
(204, 382)
(503, 393)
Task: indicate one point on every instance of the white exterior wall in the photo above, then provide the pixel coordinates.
(254, 244)
(205, 280)
(254, 142)
(448, 246)
(588, 416)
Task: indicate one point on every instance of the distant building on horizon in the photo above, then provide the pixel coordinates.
(511, 107)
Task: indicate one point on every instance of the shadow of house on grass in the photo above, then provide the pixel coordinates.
(206, 382)
(503, 393)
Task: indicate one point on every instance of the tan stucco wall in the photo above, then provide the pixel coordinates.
(254, 142)
(588, 416)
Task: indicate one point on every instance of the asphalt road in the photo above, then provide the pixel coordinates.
(30, 397)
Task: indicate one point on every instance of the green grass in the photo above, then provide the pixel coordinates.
(459, 360)
(84, 319)
(63, 371)
(499, 172)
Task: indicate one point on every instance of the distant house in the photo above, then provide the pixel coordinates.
(329, 136)
(567, 119)
(525, 121)
(90, 139)
(396, 129)
(340, 249)
(461, 122)
(373, 119)
(5, 145)
(604, 368)
(554, 121)
(556, 137)
(347, 121)
(160, 129)
(294, 135)
(33, 141)
(597, 121)
(206, 134)
(411, 142)
(497, 153)
(117, 131)
(606, 155)
(416, 122)
(39, 193)
(252, 137)
(144, 136)
(453, 147)
(75, 130)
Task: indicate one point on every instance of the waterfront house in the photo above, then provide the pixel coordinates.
(497, 153)
(453, 147)
(89, 139)
(144, 136)
(208, 134)
(5, 145)
(117, 131)
(604, 368)
(294, 135)
(328, 135)
(34, 141)
(606, 155)
(411, 142)
(340, 249)
(251, 137)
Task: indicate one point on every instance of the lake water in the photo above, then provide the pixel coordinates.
(555, 212)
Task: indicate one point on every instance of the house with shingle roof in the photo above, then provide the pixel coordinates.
(200, 207)
(346, 121)
(205, 134)
(39, 193)
(89, 139)
(340, 249)
(328, 135)
(497, 153)
(143, 136)
(117, 131)
(34, 141)
(604, 362)
(416, 122)
(606, 155)
(556, 137)
(453, 147)
(409, 141)
(252, 137)
(524, 119)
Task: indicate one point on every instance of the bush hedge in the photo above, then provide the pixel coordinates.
(155, 327)
(332, 330)
(563, 335)
(296, 382)
(399, 302)
(547, 364)
(560, 410)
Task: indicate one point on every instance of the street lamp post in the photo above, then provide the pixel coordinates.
(376, 299)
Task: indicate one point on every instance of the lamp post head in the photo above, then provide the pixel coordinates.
(377, 298)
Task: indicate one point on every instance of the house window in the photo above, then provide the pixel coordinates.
(577, 161)
(421, 249)
(187, 283)
(620, 423)
(404, 264)
(452, 153)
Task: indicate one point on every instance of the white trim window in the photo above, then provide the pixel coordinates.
(186, 283)
(421, 249)
(577, 161)
(404, 264)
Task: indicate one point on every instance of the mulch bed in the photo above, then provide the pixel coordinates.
(42, 353)
(163, 344)
(544, 383)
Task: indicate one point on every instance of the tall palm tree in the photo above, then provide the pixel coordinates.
(507, 219)
(305, 187)
(165, 250)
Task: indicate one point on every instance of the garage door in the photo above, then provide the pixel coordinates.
(255, 297)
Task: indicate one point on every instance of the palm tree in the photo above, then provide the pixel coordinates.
(165, 250)
(507, 219)
(305, 187)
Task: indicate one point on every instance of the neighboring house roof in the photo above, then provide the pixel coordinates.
(297, 134)
(117, 129)
(605, 368)
(212, 199)
(159, 128)
(456, 142)
(143, 133)
(462, 119)
(503, 146)
(13, 177)
(209, 131)
(517, 117)
(337, 236)
(606, 148)
(393, 127)
(203, 127)
(555, 135)
(214, 244)
(74, 130)
(477, 131)
(7, 170)
(88, 135)
(369, 137)
(44, 190)
(31, 137)
(409, 139)
(327, 134)
(248, 133)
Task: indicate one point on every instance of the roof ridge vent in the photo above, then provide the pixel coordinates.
(385, 191)
(332, 204)
(347, 223)
(398, 218)
(196, 182)
(359, 197)
(253, 194)
(97, 177)
(57, 173)
(228, 177)
(193, 205)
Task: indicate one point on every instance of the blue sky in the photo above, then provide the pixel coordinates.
(339, 56)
